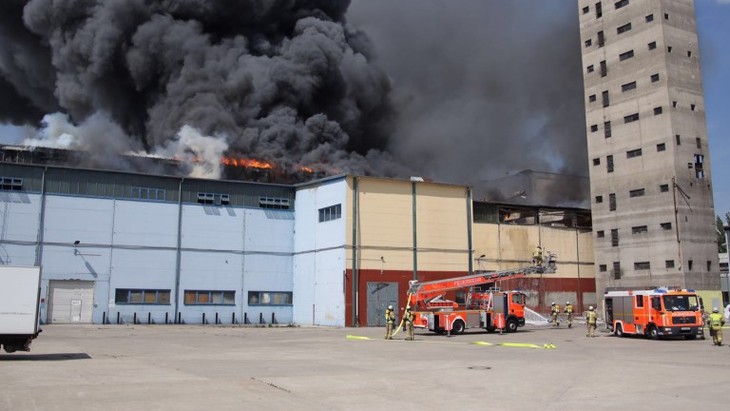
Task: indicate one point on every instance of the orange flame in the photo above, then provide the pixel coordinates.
(306, 169)
(246, 162)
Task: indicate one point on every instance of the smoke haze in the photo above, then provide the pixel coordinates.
(456, 91)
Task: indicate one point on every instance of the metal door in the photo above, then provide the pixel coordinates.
(70, 302)
(380, 295)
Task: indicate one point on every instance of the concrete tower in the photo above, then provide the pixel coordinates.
(651, 187)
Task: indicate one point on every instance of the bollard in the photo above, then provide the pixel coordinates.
(203, 319)
(118, 317)
(233, 318)
(179, 317)
(245, 319)
(103, 317)
(273, 319)
(149, 318)
(166, 317)
(216, 318)
(134, 319)
(261, 318)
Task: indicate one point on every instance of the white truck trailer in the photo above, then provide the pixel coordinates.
(19, 297)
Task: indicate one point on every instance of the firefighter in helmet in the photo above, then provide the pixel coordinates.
(591, 320)
(717, 320)
(569, 313)
(537, 256)
(408, 323)
(554, 314)
(389, 322)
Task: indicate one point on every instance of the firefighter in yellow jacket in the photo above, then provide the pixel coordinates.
(568, 313)
(717, 320)
(389, 322)
(555, 313)
(591, 320)
(408, 324)
(537, 257)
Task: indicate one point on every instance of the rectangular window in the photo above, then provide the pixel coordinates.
(11, 183)
(643, 265)
(604, 69)
(678, 139)
(604, 97)
(621, 3)
(709, 265)
(623, 29)
(652, 45)
(626, 55)
(597, 161)
(674, 104)
(666, 16)
(599, 10)
(616, 270)
(600, 234)
(210, 297)
(655, 78)
(639, 192)
(639, 299)
(599, 199)
(689, 53)
(666, 226)
(699, 142)
(614, 237)
(274, 202)
(586, 9)
(591, 98)
(137, 296)
(689, 265)
(602, 268)
(330, 213)
(649, 18)
(612, 202)
(628, 86)
(594, 128)
(588, 42)
(669, 264)
(661, 147)
(699, 166)
(657, 111)
(669, 49)
(601, 39)
(633, 153)
(609, 164)
(631, 118)
(589, 69)
(269, 298)
(607, 129)
(664, 188)
(639, 229)
(692, 107)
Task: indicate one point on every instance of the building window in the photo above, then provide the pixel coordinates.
(11, 183)
(600, 234)
(136, 296)
(652, 45)
(621, 3)
(599, 10)
(210, 297)
(689, 265)
(612, 202)
(633, 153)
(709, 266)
(631, 118)
(604, 68)
(628, 86)
(626, 55)
(602, 268)
(594, 128)
(689, 53)
(586, 9)
(669, 263)
(699, 142)
(599, 199)
(609, 164)
(330, 213)
(664, 188)
(597, 161)
(655, 78)
(601, 39)
(607, 129)
(639, 192)
(666, 16)
(699, 166)
(657, 111)
(623, 29)
(666, 226)
(614, 237)
(639, 229)
(274, 202)
(692, 107)
(148, 193)
(591, 98)
(605, 99)
(269, 298)
(649, 18)
(643, 265)
(678, 139)
(588, 42)
(661, 147)
(669, 49)
(616, 270)
(589, 69)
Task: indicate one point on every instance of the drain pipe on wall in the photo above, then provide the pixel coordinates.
(415, 233)
(355, 221)
(179, 245)
(469, 230)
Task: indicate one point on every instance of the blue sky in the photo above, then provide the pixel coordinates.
(713, 26)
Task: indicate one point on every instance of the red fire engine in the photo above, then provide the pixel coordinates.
(490, 308)
(654, 313)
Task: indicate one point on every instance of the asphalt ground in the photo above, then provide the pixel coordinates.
(174, 367)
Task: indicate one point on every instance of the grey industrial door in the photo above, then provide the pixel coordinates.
(380, 295)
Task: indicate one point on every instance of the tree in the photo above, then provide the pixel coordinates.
(721, 246)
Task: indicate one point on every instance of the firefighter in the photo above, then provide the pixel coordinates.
(537, 256)
(408, 323)
(569, 313)
(716, 322)
(591, 322)
(554, 314)
(389, 322)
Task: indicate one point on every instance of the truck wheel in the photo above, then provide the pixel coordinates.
(511, 325)
(653, 333)
(619, 330)
(458, 327)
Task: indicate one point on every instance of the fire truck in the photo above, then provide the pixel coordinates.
(654, 313)
(481, 306)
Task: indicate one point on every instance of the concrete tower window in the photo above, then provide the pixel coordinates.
(657, 111)
(612, 202)
(692, 107)
(661, 147)
(614, 237)
(602, 268)
(599, 199)
(605, 99)
(649, 18)
(669, 264)
(626, 55)
(689, 53)
(666, 226)
(600, 234)
(599, 10)
(588, 42)
(674, 104)
(699, 142)
(604, 69)
(591, 98)
(628, 86)
(669, 49)
(639, 229)
(601, 39)
(654, 78)
(678, 139)
(643, 265)
(586, 9)
(666, 16)
(699, 166)
(589, 69)
(689, 265)
(621, 3)
(633, 153)
(607, 129)
(652, 45)
(597, 161)
(594, 128)
(623, 29)
(631, 118)
(639, 192)
(664, 188)
(616, 270)
(609, 164)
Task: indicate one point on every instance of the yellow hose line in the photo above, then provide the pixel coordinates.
(356, 337)
(516, 345)
(408, 304)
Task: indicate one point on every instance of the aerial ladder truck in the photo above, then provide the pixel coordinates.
(484, 307)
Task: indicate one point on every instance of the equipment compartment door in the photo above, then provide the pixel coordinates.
(380, 295)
